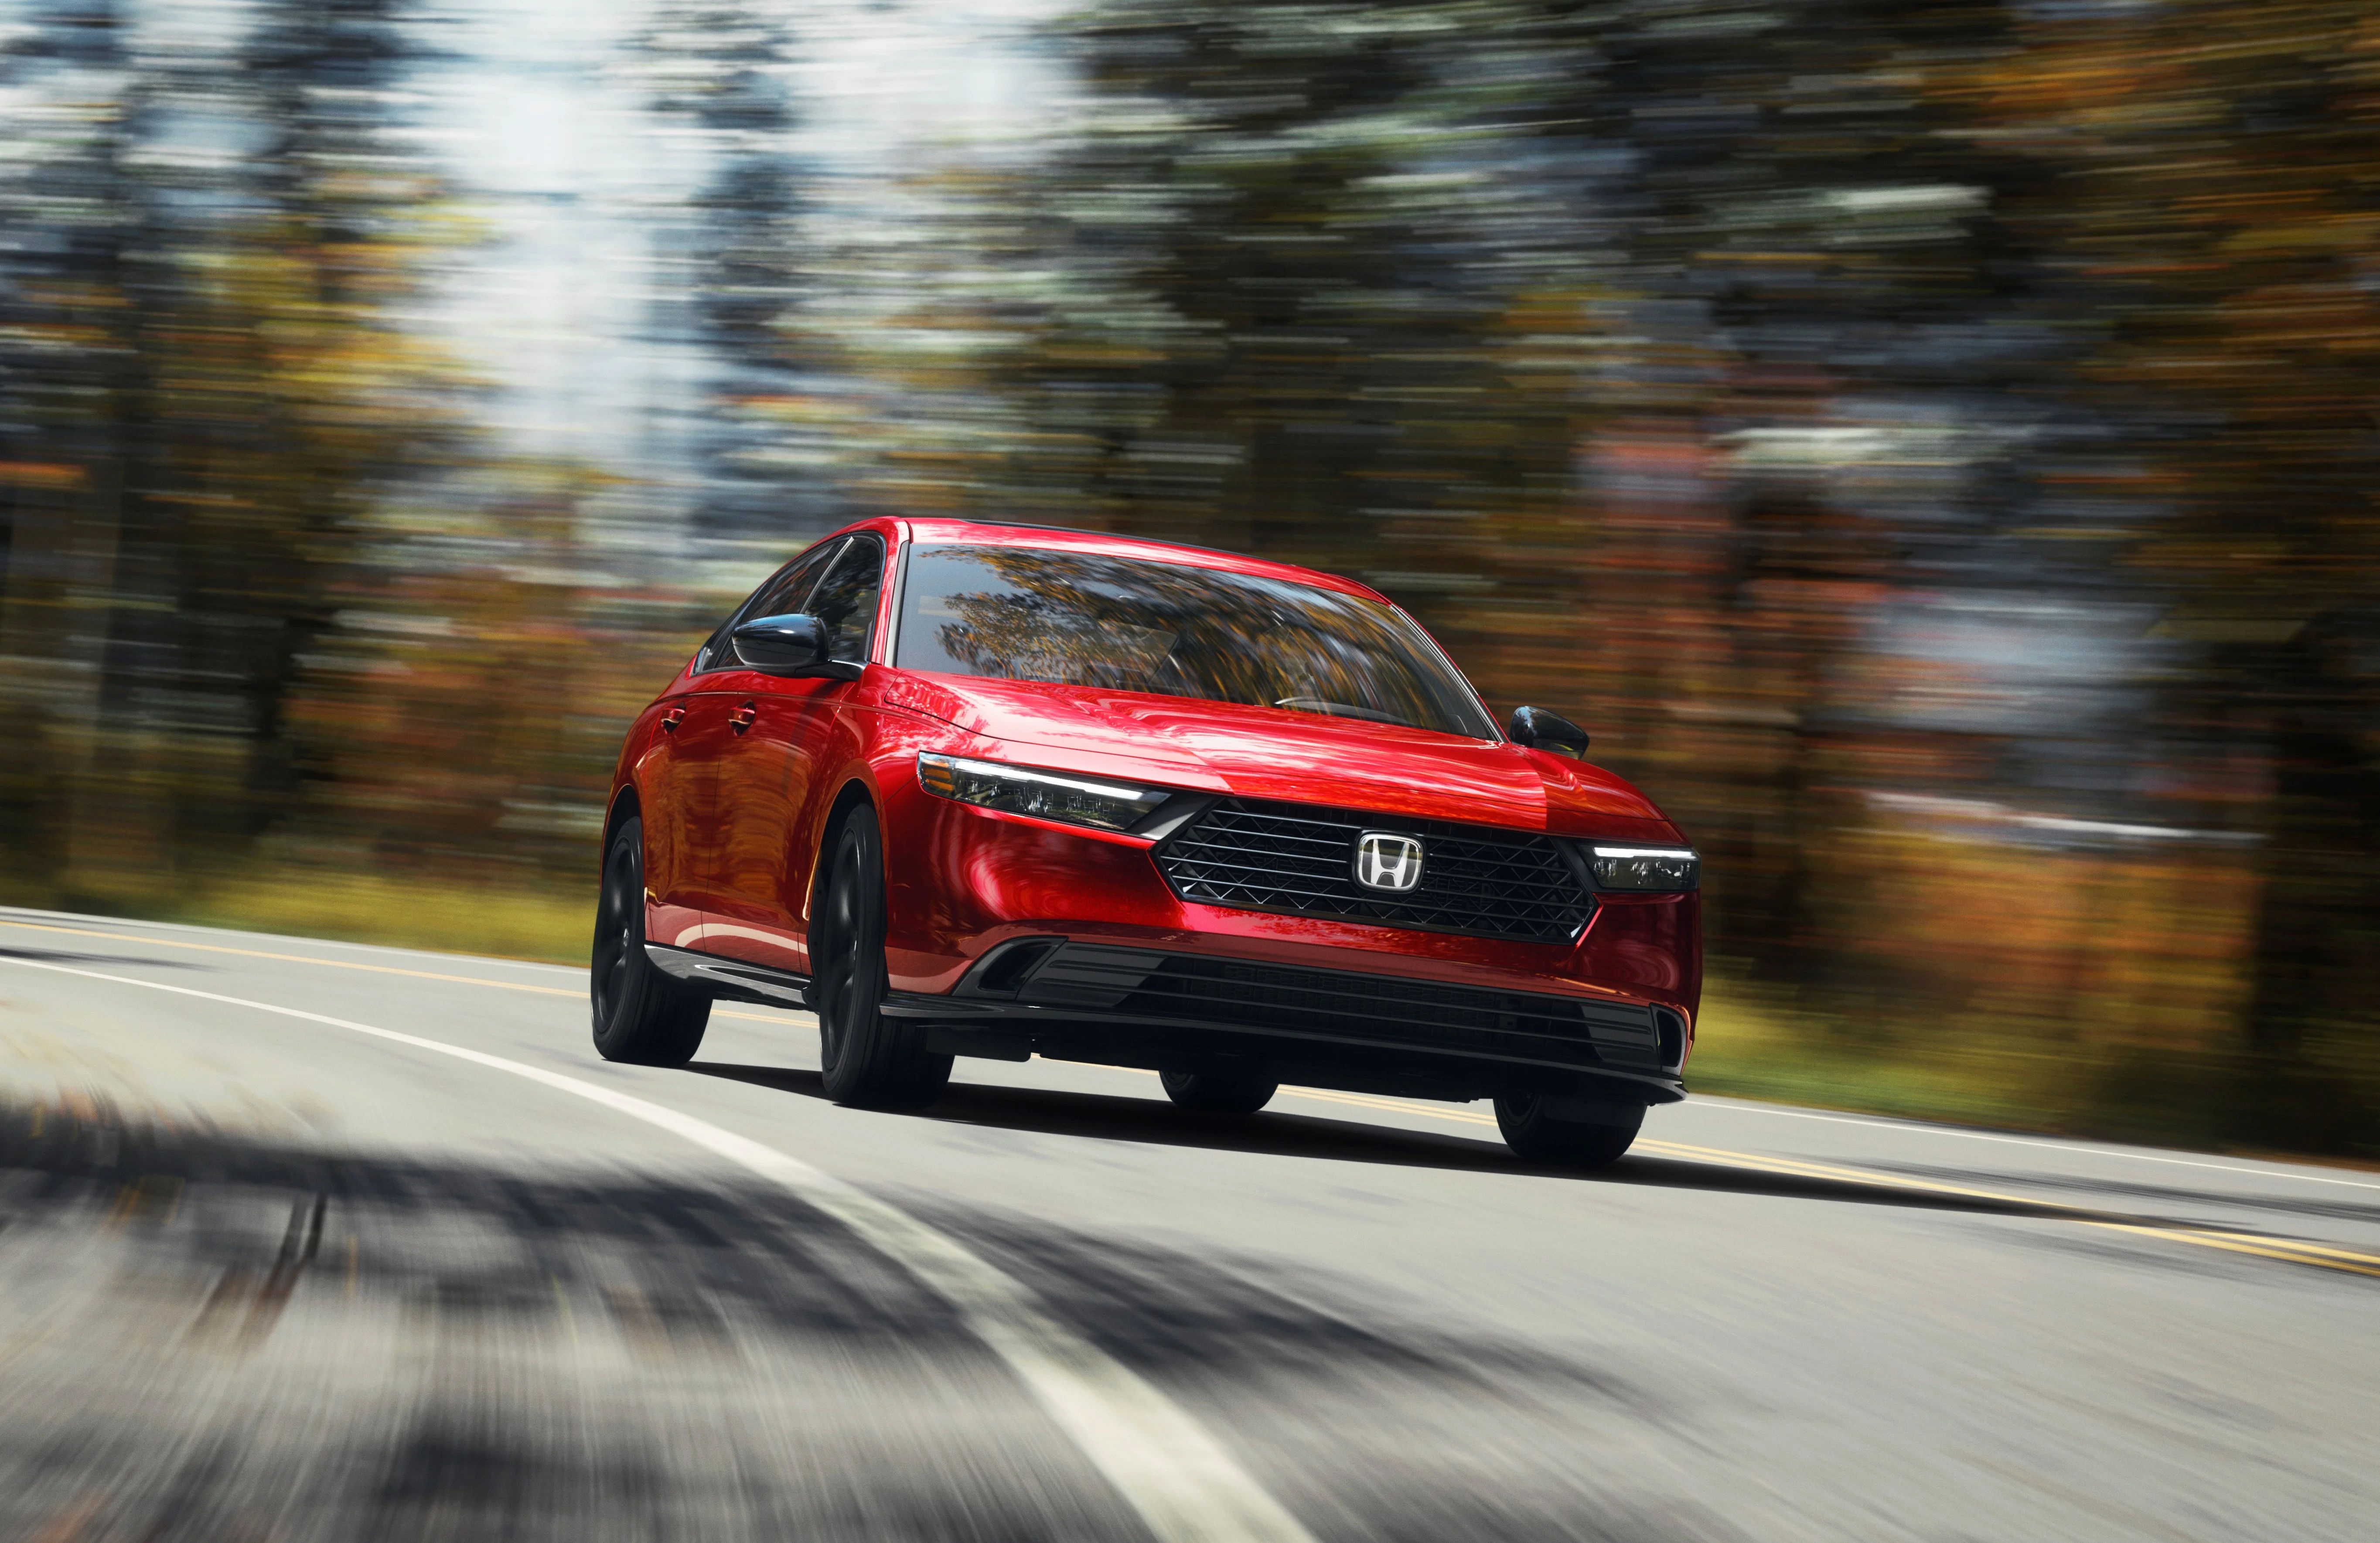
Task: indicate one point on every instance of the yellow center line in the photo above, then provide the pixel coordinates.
(2271, 1248)
(2290, 1249)
(2296, 1252)
(2305, 1247)
(1396, 1106)
(1858, 1176)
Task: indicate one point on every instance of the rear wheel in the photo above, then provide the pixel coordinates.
(1214, 1095)
(641, 1015)
(1533, 1129)
(866, 1057)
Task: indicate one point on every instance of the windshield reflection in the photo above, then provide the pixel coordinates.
(1127, 624)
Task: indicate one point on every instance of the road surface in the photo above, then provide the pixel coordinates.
(303, 1240)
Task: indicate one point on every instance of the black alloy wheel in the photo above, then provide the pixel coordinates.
(1533, 1132)
(1214, 1095)
(866, 1057)
(642, 1016)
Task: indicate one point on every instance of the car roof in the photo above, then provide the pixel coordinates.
(966, 532)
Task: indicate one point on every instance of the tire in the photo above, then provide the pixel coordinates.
(1213, 1095)
(868, 1059)
(641, 1015)
(1533, 1133)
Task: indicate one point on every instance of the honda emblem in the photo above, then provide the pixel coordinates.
(1385, 860)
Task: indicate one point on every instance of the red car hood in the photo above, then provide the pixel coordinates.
(1304, 757)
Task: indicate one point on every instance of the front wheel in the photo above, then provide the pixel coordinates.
(865, 1058)
(641, 1015)
(1213, 1095)
(1544, 1130)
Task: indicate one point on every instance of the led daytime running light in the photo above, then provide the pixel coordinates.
(1043, 794)
(1660, 869)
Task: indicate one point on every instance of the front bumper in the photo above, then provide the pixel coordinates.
(1071, 999)
(1151, 978)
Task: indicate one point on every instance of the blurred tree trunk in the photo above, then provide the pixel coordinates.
(221, 399)
(2315, 1025)
(2213, 164)
(70, 375)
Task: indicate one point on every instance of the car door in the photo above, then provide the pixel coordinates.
(678, 778)
(782, 731)
(684, 835)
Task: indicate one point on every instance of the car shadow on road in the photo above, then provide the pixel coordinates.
(243, 1337)
(1277, 1133)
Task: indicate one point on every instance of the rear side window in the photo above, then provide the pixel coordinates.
(784, 594)
(845, 599)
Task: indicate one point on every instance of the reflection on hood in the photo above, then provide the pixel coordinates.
(1288, 755)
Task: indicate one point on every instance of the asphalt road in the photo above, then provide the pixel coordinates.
(276, 1263)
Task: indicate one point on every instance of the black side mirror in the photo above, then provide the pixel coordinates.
(792, 645)
(1540, 730)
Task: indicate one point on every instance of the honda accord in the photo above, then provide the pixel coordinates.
(967, 789)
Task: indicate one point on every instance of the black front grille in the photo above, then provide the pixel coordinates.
(1391, 1010)
(1285, 857)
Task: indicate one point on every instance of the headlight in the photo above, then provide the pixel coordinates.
(1645, 868)
(1043, 794)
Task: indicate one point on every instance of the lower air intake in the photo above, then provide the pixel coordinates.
(1344, 1007)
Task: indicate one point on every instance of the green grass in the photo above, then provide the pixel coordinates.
(371, 908)
(412, 914)
(1751, 1048)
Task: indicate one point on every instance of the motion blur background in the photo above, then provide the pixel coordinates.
(1931, 446)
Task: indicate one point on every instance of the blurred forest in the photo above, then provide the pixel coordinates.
(1931, 445)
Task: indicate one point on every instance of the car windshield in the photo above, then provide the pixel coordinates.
(1078, 618)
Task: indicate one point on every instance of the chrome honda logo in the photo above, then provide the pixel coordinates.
(1385, 860)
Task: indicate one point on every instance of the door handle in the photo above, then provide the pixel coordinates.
(671, 719)
(744, 717)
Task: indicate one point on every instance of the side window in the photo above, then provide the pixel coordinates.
(783, 593)
(846, 602)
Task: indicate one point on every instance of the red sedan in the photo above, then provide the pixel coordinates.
(1005, 791)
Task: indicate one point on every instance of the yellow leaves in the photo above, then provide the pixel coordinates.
(2336, 232)
(2330, 317)
(57, 475)
(1105, 354)
(57, 337)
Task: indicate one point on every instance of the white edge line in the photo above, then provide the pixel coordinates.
(1184, 1486)
(2076, 1148)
